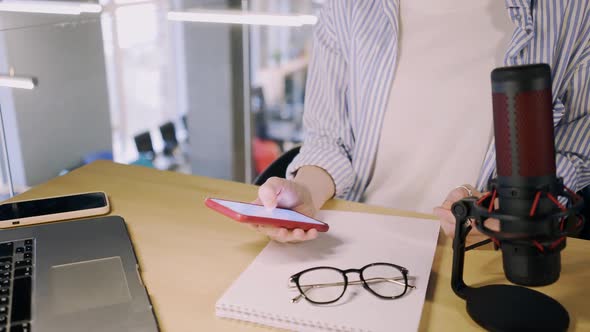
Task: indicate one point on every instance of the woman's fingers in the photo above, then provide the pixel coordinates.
(284, 235)
(447, 220)
(448, 224)
(269, 191)
(298, 235)
(280, 192)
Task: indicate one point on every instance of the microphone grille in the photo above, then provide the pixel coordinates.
(523, 121)
(502, 133)
(534, 129)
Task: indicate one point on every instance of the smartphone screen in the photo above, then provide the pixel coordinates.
(46, 206)
(260, 211)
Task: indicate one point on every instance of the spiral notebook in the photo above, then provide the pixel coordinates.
(260, 294)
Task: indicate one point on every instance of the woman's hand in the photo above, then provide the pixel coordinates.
(278, 192)
(310, 189)
(447, 219)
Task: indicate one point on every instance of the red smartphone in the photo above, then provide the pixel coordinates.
(257, 214)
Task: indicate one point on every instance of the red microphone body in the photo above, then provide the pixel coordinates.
(527, 185)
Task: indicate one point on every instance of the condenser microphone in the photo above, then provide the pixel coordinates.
(526, 184)
(535, 209)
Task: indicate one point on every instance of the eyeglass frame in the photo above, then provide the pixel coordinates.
(295, 279)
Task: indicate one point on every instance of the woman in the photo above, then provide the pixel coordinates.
(398, 105)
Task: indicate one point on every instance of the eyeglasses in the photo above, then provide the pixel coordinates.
(325, 284)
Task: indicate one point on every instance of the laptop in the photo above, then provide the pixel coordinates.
(79, 275)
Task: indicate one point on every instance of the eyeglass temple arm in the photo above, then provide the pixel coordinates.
(305, 288)
(356, 282)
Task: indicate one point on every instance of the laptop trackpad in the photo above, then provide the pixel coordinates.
(86, 285)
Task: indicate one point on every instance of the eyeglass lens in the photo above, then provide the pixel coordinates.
(385, 280)
(322, 285)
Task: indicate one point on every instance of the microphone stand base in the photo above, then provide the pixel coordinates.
(514, 308)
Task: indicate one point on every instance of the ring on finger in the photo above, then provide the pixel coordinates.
(466, 188)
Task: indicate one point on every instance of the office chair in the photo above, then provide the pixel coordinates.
(585, 193)
(145, 148)
(278, 167)
(168, 132)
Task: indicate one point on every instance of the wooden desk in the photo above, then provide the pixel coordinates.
(190, 255)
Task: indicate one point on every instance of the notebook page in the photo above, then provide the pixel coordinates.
(261, 295)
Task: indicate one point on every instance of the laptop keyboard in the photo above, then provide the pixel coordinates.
(16, 271)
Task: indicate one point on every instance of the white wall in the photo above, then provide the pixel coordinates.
(67, 115)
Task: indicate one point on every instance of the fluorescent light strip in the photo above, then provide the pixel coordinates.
(90, 8)
(239, 17)
(129, 2)
(49, 7)
(17, 82)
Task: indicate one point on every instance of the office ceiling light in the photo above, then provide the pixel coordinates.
(242, 17)
(49, 7)
(27, 83)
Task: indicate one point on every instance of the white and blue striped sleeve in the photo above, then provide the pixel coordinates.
(325, 118)
(572, 134)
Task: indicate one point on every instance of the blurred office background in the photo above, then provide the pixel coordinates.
(152, 82)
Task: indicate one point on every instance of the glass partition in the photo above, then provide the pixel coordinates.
(207, 87)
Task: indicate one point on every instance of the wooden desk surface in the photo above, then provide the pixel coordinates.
(190, 255)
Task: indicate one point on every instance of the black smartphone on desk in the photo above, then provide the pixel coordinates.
(74, 206)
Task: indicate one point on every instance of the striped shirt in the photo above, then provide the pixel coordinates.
(352, 69)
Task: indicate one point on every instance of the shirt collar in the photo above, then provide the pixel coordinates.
(518, 3)
(521, 15)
